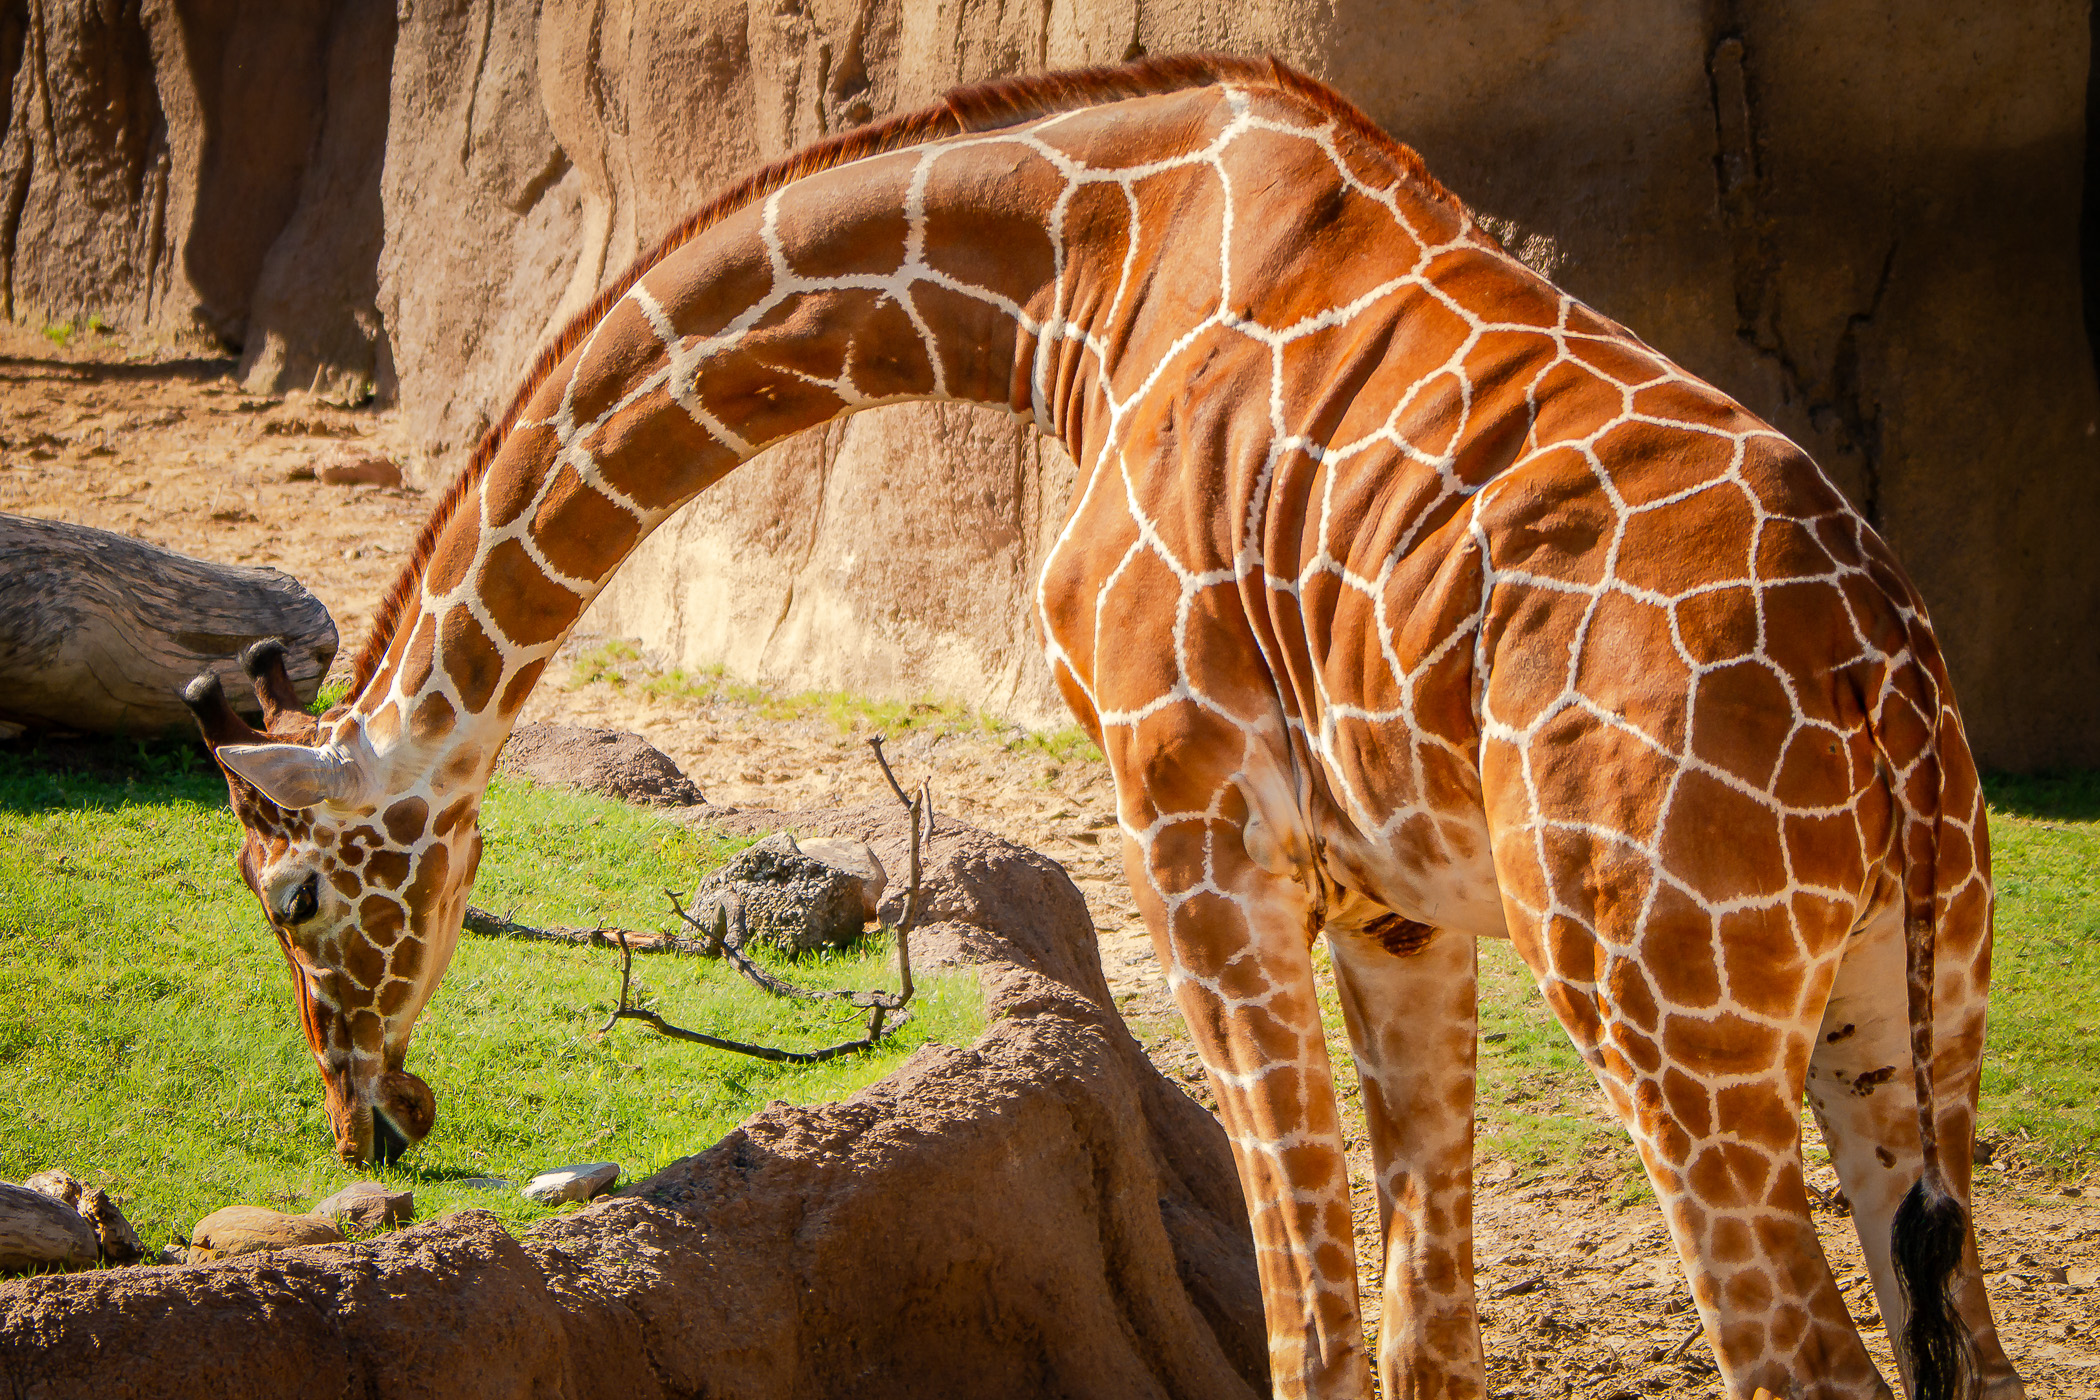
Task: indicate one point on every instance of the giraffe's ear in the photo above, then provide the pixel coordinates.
(295, 776)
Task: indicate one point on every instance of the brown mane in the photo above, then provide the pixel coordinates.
(984, 107)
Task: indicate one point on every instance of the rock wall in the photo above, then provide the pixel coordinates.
(202, 167)
(1867, 229)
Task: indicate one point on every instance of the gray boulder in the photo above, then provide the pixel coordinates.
(795, 902)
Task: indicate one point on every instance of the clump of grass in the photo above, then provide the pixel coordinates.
(328, 696)
(148, 1039)
(621, 665)
(59, 333)
(2041, 1069)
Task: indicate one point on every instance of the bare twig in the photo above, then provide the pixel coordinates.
(887, 1011)
(491, 925)
(875, 743)
(728, 928)
(626, 1012)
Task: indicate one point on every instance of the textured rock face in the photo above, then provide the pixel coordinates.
(1038, 1214)
(178, 166)
(1866, 229)
(796, 902)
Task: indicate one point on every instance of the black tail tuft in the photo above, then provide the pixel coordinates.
(1929, 1231)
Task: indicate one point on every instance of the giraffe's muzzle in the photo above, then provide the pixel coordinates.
(398, 1116)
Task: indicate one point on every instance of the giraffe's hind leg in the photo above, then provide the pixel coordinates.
(1693, 988)
(1409, 995)
(1865, 1098)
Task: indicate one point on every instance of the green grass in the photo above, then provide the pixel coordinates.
(620, 664)
(2041, 1073)
(329, 695)
(148, 1040)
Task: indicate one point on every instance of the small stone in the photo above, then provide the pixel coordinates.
(58, 1184)
(118, 1242)
(252, 1229)
(856, 858)
(485, 1183)
(578, 1183)
(355, 466)
(367, 1205)
(37, 1231)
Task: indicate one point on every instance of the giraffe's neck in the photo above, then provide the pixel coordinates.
(816, 303)
(981, 268)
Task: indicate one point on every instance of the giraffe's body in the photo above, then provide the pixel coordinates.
(1411, 602)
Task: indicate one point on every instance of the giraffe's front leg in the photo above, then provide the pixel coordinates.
(1410, 996)
(1236, 943)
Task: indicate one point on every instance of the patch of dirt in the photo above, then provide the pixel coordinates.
(166, 447)
(1580, 1293)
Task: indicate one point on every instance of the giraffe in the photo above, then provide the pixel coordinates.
(1411, 602)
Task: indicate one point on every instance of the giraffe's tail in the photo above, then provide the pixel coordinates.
(1931, 1226)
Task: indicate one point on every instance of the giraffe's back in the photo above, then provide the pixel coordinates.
(1527, 526)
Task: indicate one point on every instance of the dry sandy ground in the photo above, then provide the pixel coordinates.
(1580, 1295)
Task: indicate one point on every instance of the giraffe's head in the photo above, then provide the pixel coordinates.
(362, 860)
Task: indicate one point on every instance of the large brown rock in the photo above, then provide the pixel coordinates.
(1867, 229)
(613, 762)
(236, 1230)
(1040, 1213)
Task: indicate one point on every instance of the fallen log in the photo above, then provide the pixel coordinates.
(99, 632)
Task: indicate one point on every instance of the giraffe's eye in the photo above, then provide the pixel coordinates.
(302, 903)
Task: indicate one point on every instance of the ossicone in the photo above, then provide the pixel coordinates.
(206, 699)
